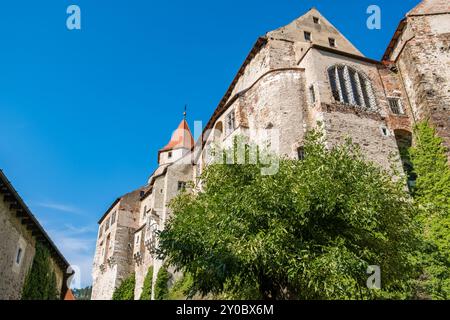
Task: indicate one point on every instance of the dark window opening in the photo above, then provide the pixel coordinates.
(395, 105)
(404, 143)
(231, 122)
(181, 185)
(301, 153)
(307, 36)
(312, 94)
(332, 42)
(316, 20)
(19, 256)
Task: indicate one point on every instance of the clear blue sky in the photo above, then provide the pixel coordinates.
(83, 113)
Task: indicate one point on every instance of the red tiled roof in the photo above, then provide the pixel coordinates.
(181, 138)
(69, 295)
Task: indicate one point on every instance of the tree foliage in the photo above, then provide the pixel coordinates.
(308, 232)
(83, 293)
(181, 288)
(162, 284)
(40, 282)
(147, 287)
(126, 289)
(432, 193)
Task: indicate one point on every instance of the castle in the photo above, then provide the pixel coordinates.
(295, 77)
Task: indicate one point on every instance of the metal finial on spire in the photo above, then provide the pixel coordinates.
(185, 111)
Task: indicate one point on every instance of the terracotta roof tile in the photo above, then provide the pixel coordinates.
(181, 138)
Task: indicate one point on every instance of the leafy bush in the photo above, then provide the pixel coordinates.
(40, 282)
(432, 193)
(181, 288)
(126, 290)
(162, 284)
(147, 287)
(308, 232)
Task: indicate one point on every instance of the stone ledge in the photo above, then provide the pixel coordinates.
(346, 108)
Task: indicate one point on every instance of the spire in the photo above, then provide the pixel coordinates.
(181, 138)
(185, 112)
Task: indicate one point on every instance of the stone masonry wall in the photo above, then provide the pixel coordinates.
(12, 232)
(12, 236)
(424, 64)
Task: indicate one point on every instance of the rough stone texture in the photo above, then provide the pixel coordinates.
(422, 56)
(320, 32)
(13, 234)
(114, 251)
(12, 277)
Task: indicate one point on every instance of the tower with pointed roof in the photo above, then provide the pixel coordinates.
(179, 145)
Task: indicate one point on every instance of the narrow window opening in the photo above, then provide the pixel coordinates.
(332, 42)
(181, 185)
(308, 36)
(395, 105)
(301, 153)
(231, 122)
(19, 256)
(170, 155)
(312, 94)
(316, 20)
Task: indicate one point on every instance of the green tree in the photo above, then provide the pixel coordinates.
(181, 288)
(126, 290)
(162, 284)
(40, 282)
(308, 232)
(83, 293)
(432, 193)
(147, 287)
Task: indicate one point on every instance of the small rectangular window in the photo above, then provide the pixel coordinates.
(307, 36)
(395, 105)
(301, 153)
(181, 185)
(19, 256)
(312, 94)
(100, 233)
(170, 154)
(316, 20)
(332, 42)
(231, 122)
(107, 224)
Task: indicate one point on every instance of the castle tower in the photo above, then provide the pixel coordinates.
(179, 145)
(420, 49)
(114, 249)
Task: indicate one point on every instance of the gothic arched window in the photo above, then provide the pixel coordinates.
(351, 86)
